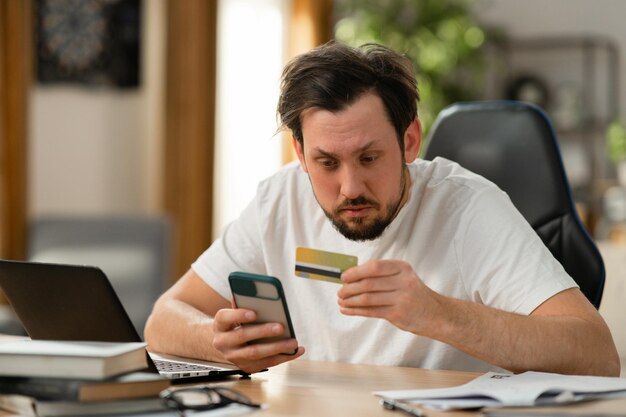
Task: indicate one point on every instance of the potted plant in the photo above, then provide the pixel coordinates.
(616, 147)
(441, 37)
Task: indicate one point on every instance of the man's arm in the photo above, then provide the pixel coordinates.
(181, 322)
(565, 334)
(191, 319)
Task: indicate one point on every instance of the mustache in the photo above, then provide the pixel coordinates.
(355, 202)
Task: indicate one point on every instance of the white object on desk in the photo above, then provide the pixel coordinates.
(503, 390)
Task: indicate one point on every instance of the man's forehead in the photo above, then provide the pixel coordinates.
(369, 103)
(333, 152)
(354, 128)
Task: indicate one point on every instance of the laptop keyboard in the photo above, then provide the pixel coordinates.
(168, 366)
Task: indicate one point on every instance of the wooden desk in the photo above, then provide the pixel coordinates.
(325, 389)
(316, 389)
(328, 389)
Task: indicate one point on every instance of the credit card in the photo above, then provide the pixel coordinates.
(322, 265)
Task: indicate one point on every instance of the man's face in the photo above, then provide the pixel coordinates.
(355, 165)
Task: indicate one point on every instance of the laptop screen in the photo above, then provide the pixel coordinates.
(66, 302)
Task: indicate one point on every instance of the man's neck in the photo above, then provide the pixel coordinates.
(406, 185)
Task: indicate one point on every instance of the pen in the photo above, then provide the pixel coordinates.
(395, 405)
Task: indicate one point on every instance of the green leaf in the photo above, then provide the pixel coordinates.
(441, 37)
(616, 141)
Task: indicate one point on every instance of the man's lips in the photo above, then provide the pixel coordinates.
(356, 211)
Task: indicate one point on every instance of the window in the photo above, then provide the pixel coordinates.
(250, 55)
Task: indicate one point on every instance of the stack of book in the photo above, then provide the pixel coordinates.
(53, 378)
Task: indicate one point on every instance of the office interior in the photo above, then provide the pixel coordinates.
(133, 147)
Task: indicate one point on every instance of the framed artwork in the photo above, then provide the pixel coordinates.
(89, 42)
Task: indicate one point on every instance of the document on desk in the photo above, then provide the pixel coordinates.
(230, 410)
(508, 390)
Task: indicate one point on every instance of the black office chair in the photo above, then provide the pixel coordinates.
(514, 145)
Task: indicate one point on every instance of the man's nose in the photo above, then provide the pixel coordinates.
(352, 183)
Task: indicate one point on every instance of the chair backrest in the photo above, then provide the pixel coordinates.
(134, 253)
(514, 145)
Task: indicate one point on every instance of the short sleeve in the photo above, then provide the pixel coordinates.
(503, 262)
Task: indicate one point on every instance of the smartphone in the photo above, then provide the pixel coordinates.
(264, 295)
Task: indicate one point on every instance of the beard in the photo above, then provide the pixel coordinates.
(357, 228)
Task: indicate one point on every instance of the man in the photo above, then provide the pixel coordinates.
(450, 275)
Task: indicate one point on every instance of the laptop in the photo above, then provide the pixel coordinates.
(72, 302)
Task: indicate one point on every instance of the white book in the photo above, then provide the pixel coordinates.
(70, 359)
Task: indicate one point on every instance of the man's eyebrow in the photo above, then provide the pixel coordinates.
(362, 149)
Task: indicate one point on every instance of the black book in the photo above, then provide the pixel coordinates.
(34, 407)
(133, 385)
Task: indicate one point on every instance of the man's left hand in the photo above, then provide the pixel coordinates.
(390, 290)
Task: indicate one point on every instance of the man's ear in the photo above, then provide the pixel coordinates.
(412, 141)
(299, 153)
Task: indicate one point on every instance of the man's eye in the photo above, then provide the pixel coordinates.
(368, 159)
(327, 163)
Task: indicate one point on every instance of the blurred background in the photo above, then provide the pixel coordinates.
(162, 112)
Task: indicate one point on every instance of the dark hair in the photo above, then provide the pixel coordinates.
(334, 75)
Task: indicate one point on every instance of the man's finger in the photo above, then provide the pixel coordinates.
(377, 312)
(262, 351)
(364, 286)
(370, 299)
(250, 332)
(257, 366)
(226, 319)
(371, 269)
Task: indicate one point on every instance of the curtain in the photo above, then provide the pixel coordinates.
(189, 126)
(15, 80)
(311, 26)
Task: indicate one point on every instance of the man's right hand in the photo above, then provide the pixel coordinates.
(231, 335)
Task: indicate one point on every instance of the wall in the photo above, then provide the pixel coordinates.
(99, 151)
(85, 154)
(582, 99)
(96, 151)
(248, 73)
(538, 18)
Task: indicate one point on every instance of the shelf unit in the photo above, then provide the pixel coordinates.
(576, 80)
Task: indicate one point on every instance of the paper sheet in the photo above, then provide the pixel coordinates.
(527, 389)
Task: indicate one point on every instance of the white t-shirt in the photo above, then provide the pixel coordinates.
(459, 232)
